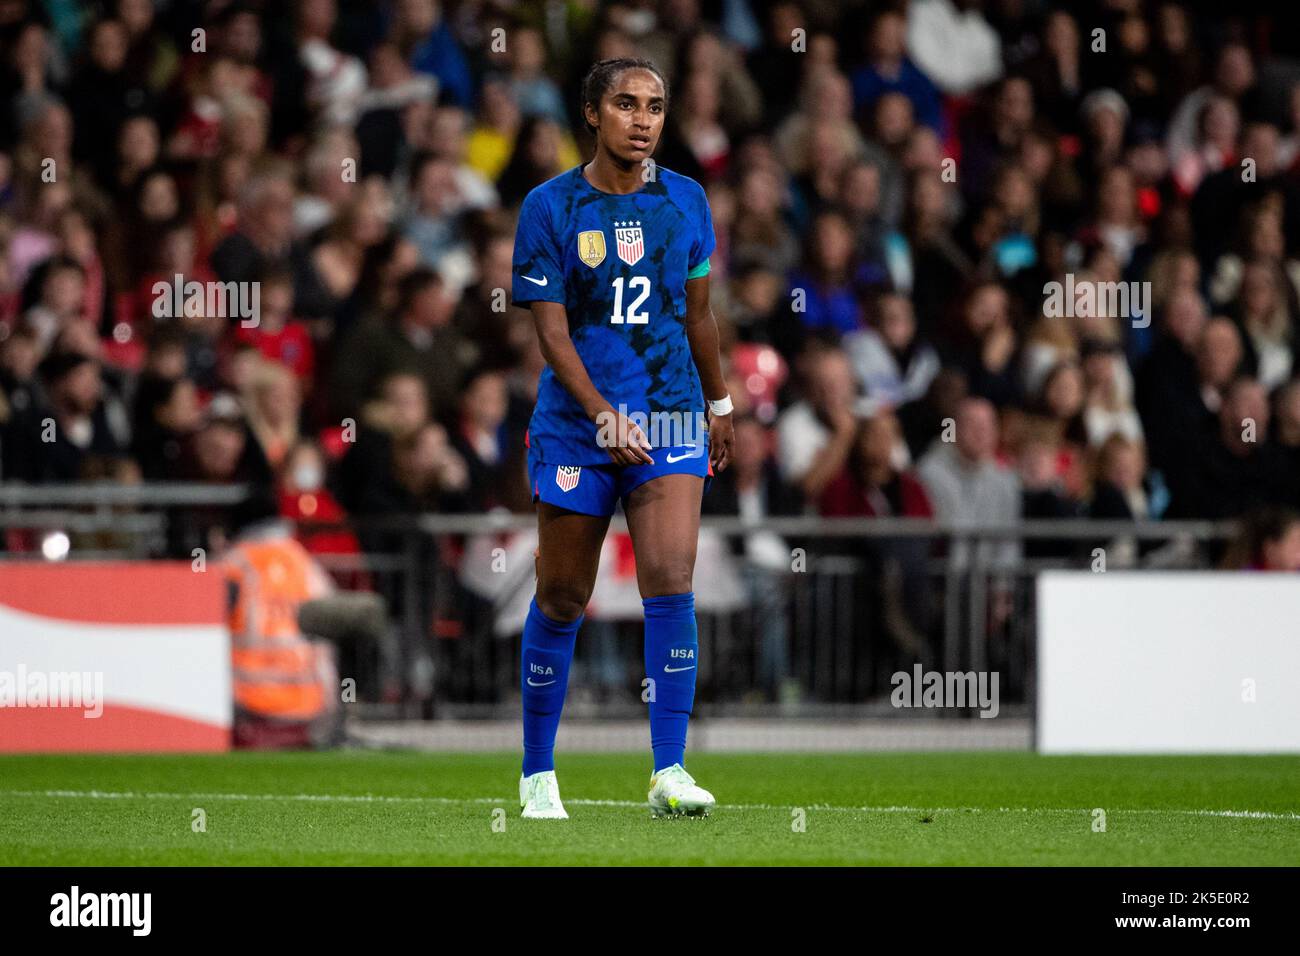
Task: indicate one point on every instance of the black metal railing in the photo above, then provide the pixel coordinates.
(860, 599)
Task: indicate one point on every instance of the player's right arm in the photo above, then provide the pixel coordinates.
(629, 443)
(538, 282)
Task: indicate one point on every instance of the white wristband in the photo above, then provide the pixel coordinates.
(722, 406)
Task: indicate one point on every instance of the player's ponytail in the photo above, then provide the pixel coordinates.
(602, 75)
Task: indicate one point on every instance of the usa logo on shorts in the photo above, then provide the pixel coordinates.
(566, 476)
(631, 244)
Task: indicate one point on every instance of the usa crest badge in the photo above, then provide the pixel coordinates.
(591, 247)
(631, 244)
(566, 476)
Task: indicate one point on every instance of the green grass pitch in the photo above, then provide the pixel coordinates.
(381, 808)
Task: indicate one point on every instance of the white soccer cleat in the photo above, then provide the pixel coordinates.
(673, 792)
(539, 795)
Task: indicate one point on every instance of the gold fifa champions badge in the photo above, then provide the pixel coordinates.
(591, 247)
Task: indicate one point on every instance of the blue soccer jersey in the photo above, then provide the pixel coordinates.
(619, 265)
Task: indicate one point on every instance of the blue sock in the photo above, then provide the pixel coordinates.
(672, 651)
(544, 675)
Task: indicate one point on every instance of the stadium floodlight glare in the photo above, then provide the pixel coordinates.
(55, 546)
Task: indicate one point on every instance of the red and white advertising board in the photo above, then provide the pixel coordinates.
(115, 656)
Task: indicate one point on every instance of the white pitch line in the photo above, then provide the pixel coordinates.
(379, 798)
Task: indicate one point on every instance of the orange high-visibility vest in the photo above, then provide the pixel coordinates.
(278, 672)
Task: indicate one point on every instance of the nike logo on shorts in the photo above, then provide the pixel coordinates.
(672, 458)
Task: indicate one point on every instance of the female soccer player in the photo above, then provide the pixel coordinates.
(613, 258)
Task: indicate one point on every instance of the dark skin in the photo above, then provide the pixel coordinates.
(663, 514)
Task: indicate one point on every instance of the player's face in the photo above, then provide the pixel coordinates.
(632, 115)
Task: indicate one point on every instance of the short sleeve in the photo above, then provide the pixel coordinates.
(704, 243)
(538, 275)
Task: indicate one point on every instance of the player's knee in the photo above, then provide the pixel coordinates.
(563, 603)
(672, 576)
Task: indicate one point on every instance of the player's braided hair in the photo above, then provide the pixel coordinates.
(601, 77)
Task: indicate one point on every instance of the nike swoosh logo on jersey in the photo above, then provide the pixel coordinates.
(674, 670)
(542, 281)
(672, 458)
(545, 683)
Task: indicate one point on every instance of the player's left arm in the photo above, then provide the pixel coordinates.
(702, 332)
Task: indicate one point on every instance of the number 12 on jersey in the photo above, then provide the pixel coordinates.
(633, 316)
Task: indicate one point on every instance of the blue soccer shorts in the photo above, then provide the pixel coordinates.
(597, 489)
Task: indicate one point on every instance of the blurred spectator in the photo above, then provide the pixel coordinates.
(751, 488)
(63, 298)
(923, 258)
(19, 358)
(434, 222)
(1045, 490)
(1269, 540)
(709, 52)
(1233, 80)
(1117, 226)
(825, 284)
(1254, 210)
(151, 55)
(489, 328)
(1237, 467)
(167, 412)
(1119, 495)
(265, 228)
(326, 187)
(534, 91)
(430, 474)
(1286, 433)
(761, 234)
(421, 29)
(993, 134)
(814, 435)
(1057, 73)
(892, 365)
(1167, 387)
(335, 81)
(1266, 317)
(871, 484)
(331, 277)
(953, 44)
(103, 92)
(318, 517)
(1117, 491)
(888, 70)
(983, 346)
(776, 65)
(418, 337)
(491, 142)
(538, 155)
(698, 143)
(1105, 117)
(491, 451)
(223, 449)
(401, 461)
(273, 401)
(278, 336)
(1057, 417)
(967, 486)
(76, 427)
(1107, 409)
(1195, 424)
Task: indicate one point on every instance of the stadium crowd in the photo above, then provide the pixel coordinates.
(892, 187)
